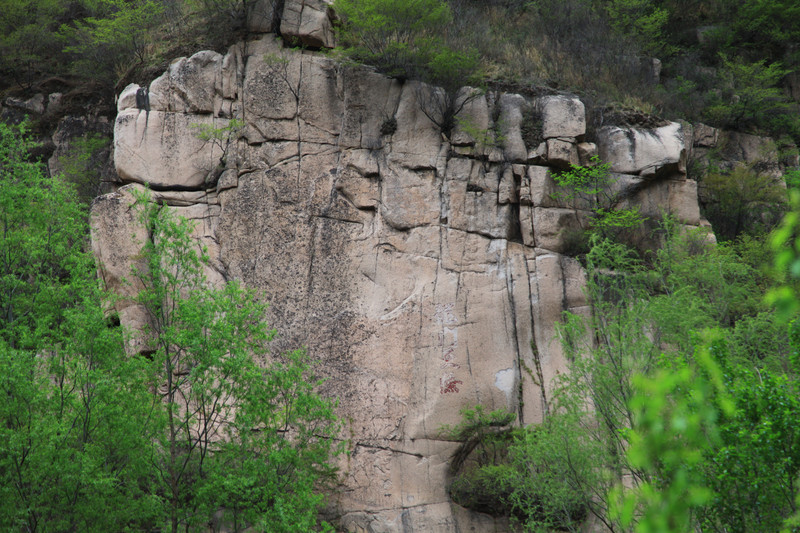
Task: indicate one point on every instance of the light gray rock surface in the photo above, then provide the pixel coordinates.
(645, 152)
(562, 116)
(309, 22)
(418, 273)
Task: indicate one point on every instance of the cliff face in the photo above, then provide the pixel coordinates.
(424, 274)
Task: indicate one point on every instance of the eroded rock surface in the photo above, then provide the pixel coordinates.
(423, 276)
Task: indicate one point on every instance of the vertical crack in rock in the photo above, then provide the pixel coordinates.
(536, 341)
(564, 298)
(310, 272)
(297, 94)
(513, 306)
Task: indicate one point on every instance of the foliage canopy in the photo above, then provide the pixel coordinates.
(193, 429)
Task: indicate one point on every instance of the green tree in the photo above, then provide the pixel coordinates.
(768, 28)
(749, 95)
(43, 236)
(676, 411)
(754, 470)
(592, 186)
(641, 20)
(785, 242)
(719, 443)
(115, 37)
(74, 417)
(92, 439)
(713, 442)
(28, 41)
(656, 426)
(742, 200)
(251, 439)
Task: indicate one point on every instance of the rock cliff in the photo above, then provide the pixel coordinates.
(425, 274)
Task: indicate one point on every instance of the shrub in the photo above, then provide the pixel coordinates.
(84, 162)
(389, 126)
(593, 186)
(748, 96)
(485, 139)
(221, 138)
(393, 35)
(742, 201)
(485, 489)
(531, 127)
(527, 474)
(117, 36)
(448, 70)
(575, 242)
(549, 474)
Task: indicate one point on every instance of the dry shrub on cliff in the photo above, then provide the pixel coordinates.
(561, 43)
(402, 39)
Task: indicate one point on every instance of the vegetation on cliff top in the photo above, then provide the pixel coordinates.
(726, 63)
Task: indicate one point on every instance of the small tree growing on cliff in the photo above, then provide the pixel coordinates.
(593, 185)
(222, 138)
(237, 436)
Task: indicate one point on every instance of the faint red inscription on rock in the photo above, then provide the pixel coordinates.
(449, 384)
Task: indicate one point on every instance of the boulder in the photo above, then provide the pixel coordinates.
(308, 22)
(511, 110)
(473, 204)
(562, 116)
(704, 136)
(646, 152)
(473, 121)
(127, 98)
(261, 16)
(35, 104)
(552, 227)
(164, 149)
(587, 152)
(117, 238)
(190, 85)
(760, 152)
(562, 153)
